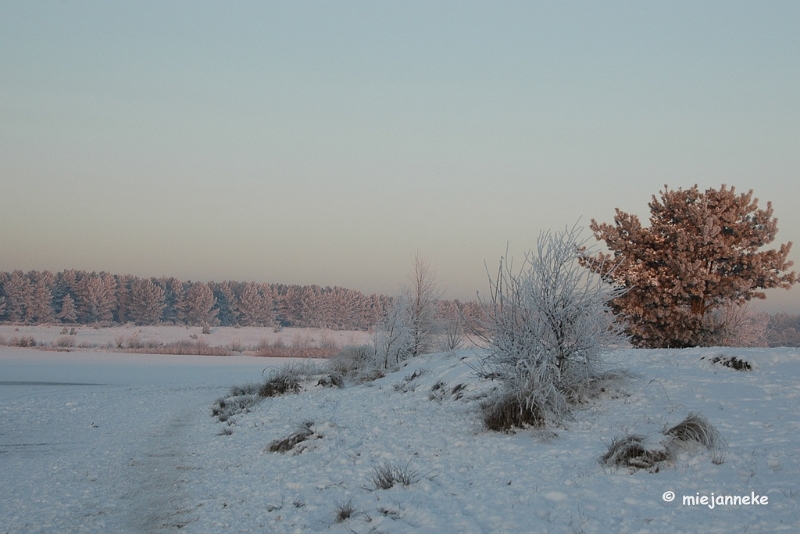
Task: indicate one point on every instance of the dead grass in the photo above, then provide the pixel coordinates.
(654, 452)
(505, 412)
(639, 452)
(344, 511)
(388, 474)
(732, 362)
(226, 407)
(187, 347)
(298, 436)
(295, 352)
(282, 380)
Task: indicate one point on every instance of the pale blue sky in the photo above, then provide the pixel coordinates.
(326, 142)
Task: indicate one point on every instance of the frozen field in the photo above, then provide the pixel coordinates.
(96, 442)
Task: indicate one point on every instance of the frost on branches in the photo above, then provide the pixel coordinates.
(699, 256)
(546, 327)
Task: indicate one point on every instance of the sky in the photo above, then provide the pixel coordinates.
(328, 142)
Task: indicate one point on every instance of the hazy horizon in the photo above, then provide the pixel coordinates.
(316, 143)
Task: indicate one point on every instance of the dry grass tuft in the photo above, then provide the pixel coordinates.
(298, 436)
(696, 429)
(505, 412)
(654, 452)
(389, 474)
(638, 452)
(344, 511)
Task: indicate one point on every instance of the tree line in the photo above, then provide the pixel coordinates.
(73, 296)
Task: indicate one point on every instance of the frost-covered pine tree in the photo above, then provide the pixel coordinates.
(19, 291)
(253, 308)
(69, 312)
(701, 253)
(40, 309)
(199, 304)
(147, 302)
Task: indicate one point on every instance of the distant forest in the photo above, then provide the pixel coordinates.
(72, 296)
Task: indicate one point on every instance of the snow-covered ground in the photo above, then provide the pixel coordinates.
(95, 442)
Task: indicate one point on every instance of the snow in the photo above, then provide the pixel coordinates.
(249, 337)
(126, 443)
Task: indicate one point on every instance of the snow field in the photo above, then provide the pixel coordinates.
(142, 453)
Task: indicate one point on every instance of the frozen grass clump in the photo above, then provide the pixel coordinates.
(506, 410)
(654, 452)
(639, 452)
(284, 379)
(288, 443)
(226, 407)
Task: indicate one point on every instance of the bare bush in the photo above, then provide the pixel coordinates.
(22, 341)
(735, 325)
(65, 341)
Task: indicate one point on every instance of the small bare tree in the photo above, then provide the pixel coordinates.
(422, 296)
(411, 325)
(547, 325)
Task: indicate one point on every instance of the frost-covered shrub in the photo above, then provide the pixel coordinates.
(546, 328)
(356, 363)
(394, 341)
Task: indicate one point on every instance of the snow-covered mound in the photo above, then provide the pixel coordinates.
(406, 452)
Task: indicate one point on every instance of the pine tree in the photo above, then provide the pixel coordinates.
(199, 305)
(40, 309)
(97, 297)
(68, 313)
(147, 302)
(699, 255)
(253, 308)
(18, 292)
